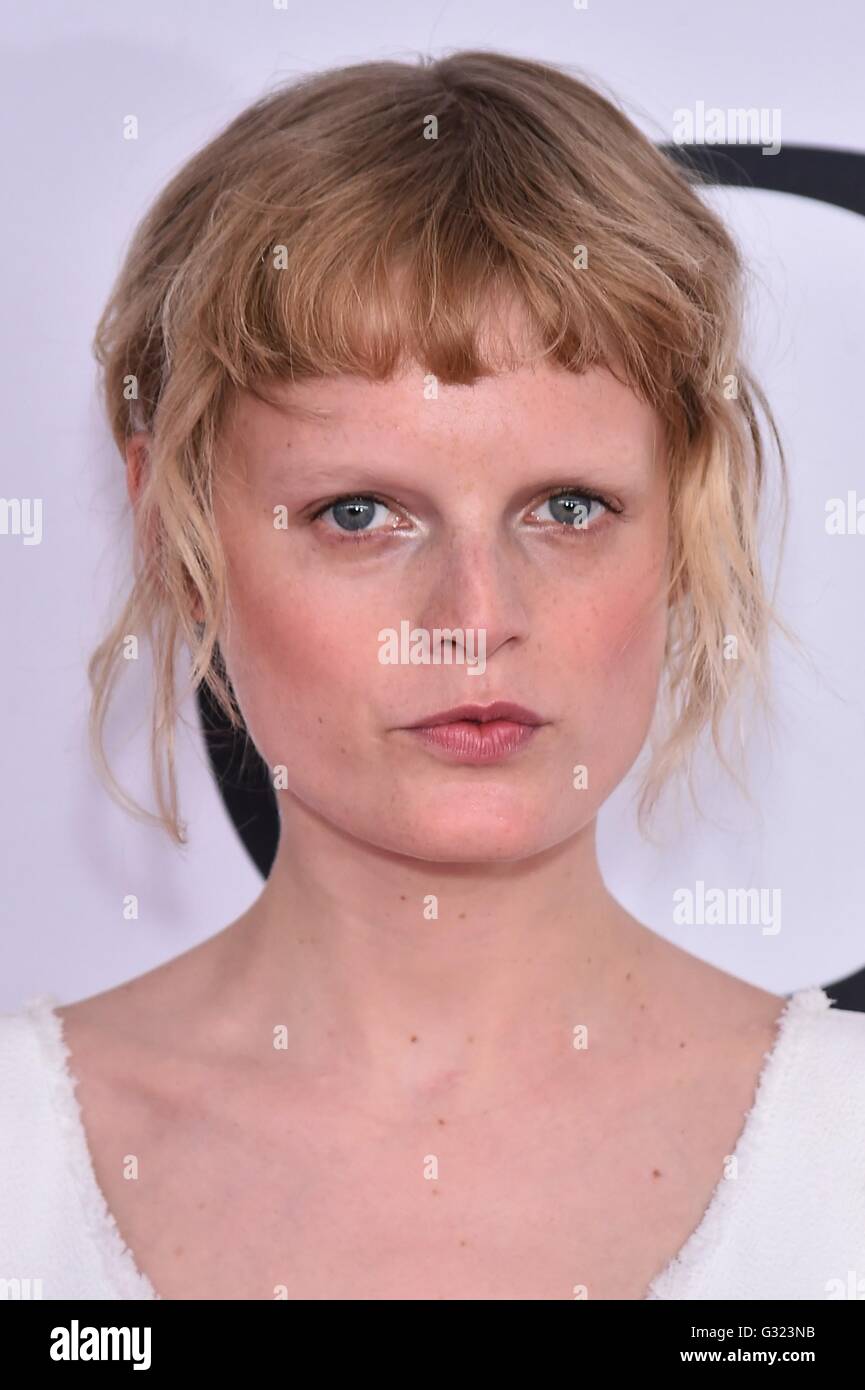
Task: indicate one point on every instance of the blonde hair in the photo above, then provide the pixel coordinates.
(369, 214)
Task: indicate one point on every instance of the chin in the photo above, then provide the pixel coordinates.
(474, 834)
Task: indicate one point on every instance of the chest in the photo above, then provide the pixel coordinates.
(324, 1206)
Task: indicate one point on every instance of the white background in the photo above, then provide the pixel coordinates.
(74, 189)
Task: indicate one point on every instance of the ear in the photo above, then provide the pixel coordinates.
(137, 455)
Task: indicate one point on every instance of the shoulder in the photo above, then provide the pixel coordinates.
(788, 1218)
(57, 1236)
(30, 1057)
(35, 1101)
(821, 1074)
(802, 1153)
(827, 1042)
(807, 1124)
(807, 1113)
(32, 1163)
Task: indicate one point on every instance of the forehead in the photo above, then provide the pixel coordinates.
(538, 401)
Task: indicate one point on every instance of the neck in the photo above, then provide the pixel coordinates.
(412, 979)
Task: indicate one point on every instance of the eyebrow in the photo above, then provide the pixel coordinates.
(314, 414)
(307, 473)
(295, 410)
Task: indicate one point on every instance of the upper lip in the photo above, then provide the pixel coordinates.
(500, 709)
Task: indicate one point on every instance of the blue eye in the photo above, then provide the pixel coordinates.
(361, 514)
(355, 513)
(574, 508)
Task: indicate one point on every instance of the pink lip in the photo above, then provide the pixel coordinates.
(477, 733)
(499, 709)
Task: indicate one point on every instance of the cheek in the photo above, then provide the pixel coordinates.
(293, 654)
(297, 655)
(629, 635)
(612, 651)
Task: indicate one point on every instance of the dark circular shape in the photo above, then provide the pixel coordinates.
(573, 512)
(353, 513)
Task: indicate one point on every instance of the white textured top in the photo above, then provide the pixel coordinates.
(788, 1223)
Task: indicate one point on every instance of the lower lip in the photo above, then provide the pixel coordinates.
(465, 742)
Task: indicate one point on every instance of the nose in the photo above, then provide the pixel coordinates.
(473, 580)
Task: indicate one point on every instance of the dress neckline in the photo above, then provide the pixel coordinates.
(778, 1061)
(118, 1262)
(130, 1282)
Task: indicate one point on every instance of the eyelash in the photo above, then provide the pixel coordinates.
(364, 535)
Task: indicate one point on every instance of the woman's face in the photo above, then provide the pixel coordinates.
(463, 517)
